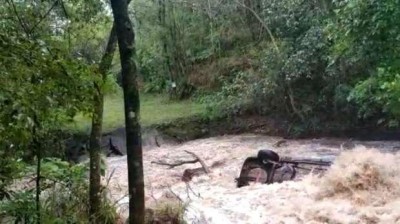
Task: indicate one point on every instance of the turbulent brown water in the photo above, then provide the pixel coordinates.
(359, 188)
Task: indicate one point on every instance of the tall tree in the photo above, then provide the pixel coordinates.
(126, 43)
(97, 123)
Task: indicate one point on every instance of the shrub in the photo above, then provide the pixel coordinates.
(166, 212)
(64, 196)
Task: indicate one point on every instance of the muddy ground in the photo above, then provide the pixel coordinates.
(193, 128)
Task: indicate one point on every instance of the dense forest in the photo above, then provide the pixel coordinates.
(317, 65)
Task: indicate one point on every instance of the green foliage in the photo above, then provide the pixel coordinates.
(49, 55)
(234, 98)
(21, 209)
(11, 168)
(379, 94)
(291, 18)
(291, 81)
(44, 85)
(64, 196)
(333, 59)
(371, 37)
(173, 36)
(38, 92)
(370, 28)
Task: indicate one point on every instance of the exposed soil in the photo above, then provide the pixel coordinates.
(187, 129)
(200, 127)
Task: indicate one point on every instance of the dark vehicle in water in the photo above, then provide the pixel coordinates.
(268, 167)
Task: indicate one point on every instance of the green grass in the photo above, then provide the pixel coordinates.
(155, 109)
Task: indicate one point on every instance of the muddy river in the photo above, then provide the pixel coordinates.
(359, 188)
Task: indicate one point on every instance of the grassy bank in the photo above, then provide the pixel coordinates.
(155, 109)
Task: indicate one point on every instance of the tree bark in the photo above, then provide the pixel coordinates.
(36, 145)
(38, 179)
(164, 40)
(96, 132)
(126, 42)
(252, 22)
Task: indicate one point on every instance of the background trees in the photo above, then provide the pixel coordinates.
(325, 60)
(370, 38)
(47, 78)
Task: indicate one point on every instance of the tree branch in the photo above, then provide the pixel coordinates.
(43, 17)
(293, 104)
(203, 164)
(188, 174)
(176, 195)
(175, 164)
(262, 24)
(22, 24)
(68, 28)
(28, 33)
(182, 162)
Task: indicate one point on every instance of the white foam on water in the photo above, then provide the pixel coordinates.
(361, 187)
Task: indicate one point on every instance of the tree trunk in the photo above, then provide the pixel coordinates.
(38, 177)
(126, 42)
(96, 132)
(252, 22)
(37, 147)
(164, 39)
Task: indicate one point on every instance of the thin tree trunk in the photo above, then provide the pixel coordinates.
(126, 42)
(164, 39)
(38, 167)
(38, 176)
(96, 132)
(36, 145)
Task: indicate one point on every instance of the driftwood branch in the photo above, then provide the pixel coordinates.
(189, 188)
(175, 194)
(152, 193)
(109, 177)
(203, 164)
(188, 174)
(156, 141)
(175, 164)
(182, 162)
(279, 143)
